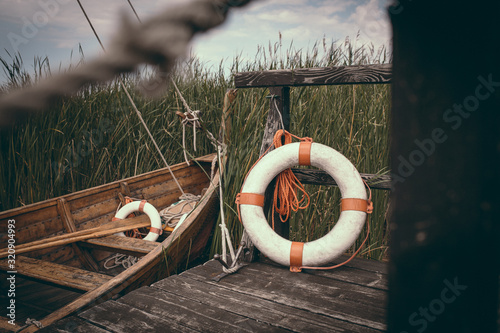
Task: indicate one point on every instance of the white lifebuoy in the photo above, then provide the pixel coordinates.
(151, 212)
(339, 239)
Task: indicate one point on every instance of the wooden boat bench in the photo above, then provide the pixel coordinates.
(61, 275)
(117, 244)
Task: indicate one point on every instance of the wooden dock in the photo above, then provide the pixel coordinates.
(260, 297)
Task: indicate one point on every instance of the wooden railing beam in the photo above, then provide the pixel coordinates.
(366, 74)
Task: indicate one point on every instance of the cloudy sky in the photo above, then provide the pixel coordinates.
(55, 28)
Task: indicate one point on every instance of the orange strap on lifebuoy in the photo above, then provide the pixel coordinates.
(248, 199)
(156, 230)
(141, 206)
(296, 257)
(357, 204)
(305, 153)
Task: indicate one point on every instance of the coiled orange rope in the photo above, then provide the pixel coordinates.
(286, 197)
(285, 191)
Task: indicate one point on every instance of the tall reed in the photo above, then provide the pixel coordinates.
(95, 137)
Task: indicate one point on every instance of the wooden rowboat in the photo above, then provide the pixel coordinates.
(78, 225)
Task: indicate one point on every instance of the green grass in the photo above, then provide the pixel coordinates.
(95, 137)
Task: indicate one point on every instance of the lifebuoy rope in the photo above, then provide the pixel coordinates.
(347, 204)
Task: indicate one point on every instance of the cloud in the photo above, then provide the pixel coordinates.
(301, 22)
(373, 22)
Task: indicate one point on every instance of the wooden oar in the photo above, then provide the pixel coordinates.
(103, 230)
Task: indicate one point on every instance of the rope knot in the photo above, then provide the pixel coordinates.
(369, 209)
(191, 118)
(35, 322)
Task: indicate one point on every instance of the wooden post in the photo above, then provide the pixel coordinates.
(444, 263)
(279, 104)
(280, 98)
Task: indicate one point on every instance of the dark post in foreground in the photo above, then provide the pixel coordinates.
(444, 265)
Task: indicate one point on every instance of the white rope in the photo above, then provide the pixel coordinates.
(191, 119)
(273, 98)
(235, 263)
(35, 322)
(120, 260)
(151, 136)
(226, 237)
(195, 122)
(139, 115)
(212, 168)
(168, 216)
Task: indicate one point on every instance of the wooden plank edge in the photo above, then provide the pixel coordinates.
(86, 192)
(304, 76)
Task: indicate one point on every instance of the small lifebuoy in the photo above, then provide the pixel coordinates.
(325, 249)
(151, 212)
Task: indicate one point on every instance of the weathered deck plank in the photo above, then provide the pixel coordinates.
(303, 291)
(119, 317)
(192, 313)
(358, 271)
(73, 325)
(262, 296)
(214, 295)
